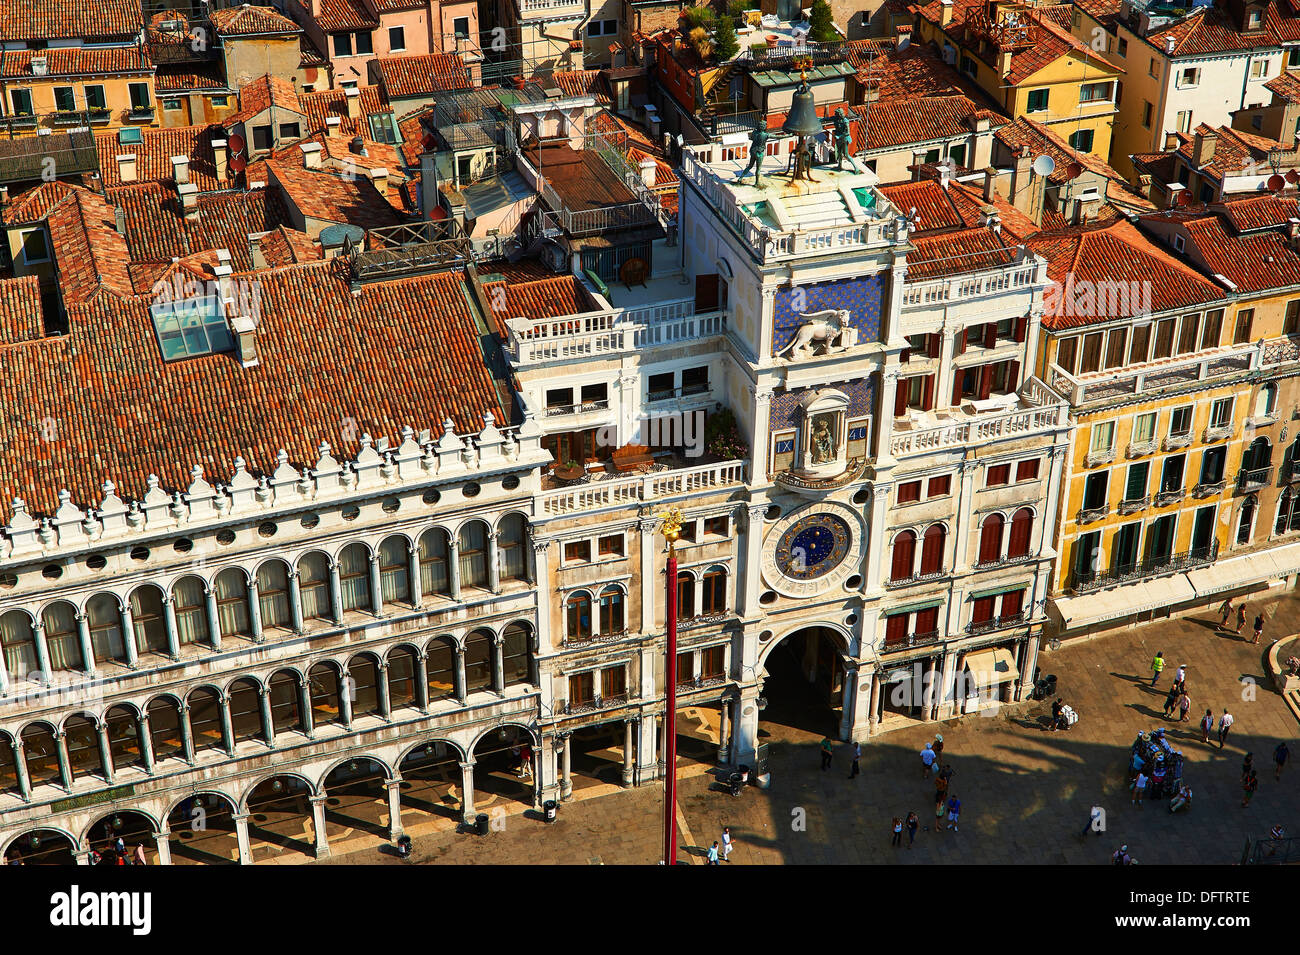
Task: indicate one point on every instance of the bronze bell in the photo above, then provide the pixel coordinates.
(802, 119)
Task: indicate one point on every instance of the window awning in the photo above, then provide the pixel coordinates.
(1119, 602)
(991, 667)
(1233, 573)
(1285, 560)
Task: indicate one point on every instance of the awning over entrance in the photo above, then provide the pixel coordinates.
(993, 666)
(1236, 572)
(1125, 601)
(1285, 560)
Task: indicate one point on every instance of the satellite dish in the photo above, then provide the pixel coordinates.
(239, 164)
(1044, 165)
(1276, 183)
(236, 143)
(1293, 177)
(1073, 171)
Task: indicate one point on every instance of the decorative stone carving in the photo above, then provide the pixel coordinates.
(828, 329)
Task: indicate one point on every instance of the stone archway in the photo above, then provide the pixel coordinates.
(432, 783)
(356, 799)
(504, 768)
(281, 818)
(804, 683)
(127, 829)
(202, 828)
(41, 846)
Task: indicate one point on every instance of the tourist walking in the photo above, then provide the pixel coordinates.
(1225, 724)
(1241, 616)
(913, 823)
(938, 748)
(1227, 613)
(1056, 714)
(1171, 700)
(1207, 724)
(857, 755)
(1157, 665)
(1247, 765)
(898, 833)
(1259, 627)
(927, 761)
(139, 854)
(828, 750)
(954, 810)
(1184, 706)
(1121, 857)
(1249, 784)
(713, 854)
(726, 843)
(1280, 756)
(1139, 788)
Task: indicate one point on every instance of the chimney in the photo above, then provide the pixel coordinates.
(379, 177)
(126, 167)
(1170, 43)
(648, 169)
(221, 158)
(333, 125)
(189, 194)
(352, 97)
(223, 271)
(311, 155)
(1027, 188)
(1004, 62)
(945, 12)
(1203, 145)
(1175, 189)
(1171, 142)
(119, 219)
(255, 250)
(245, 330)
(990, 183)
(981, 155)
(904, 38)
(181, 169)
(946, 169)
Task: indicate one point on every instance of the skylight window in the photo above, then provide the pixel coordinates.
(191, 327)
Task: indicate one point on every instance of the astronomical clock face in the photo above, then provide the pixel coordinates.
(813, 549)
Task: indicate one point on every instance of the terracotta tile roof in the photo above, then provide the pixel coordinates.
(332, 197)
(416, 139)
(1253, 262)
(970, 250)
(1162, 166)
(585, 83)
(411, 76)
(69, 19)
(893, 123)
(320, 104)
(936, 208)
(325, 356)
(914, 71)
(155, 151)
(75, 61)
(35, 203)
(308, 54)
(285, 246)
(205, 79)
(1261, 212)
(345, 15)
(581, 178)
(1286, 86)
(1043, 141)
(1209, 30)
(540, 298)
(969, 201)
(21, 319)
(396, 6)
(89, 254)
(261, 94)
(1114, 253)
(246, 20)
(1234, 150)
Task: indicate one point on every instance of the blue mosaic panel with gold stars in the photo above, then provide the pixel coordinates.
(784, 414)
(812, 547)
(864, 298)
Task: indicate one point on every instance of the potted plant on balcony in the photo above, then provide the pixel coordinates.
(569, 471)
(722, 437)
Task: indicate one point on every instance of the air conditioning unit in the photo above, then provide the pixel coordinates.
(171, 26)
(40, 66)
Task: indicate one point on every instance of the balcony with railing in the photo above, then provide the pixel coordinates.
(572, 708)
(976, 288)
(619, 492)
(1133, 505)
(543, 9)
(1155, 566)
(1176, 442)
(1172, 496)
(1217, 432)
(592, 639)
(912, 640)
(1032, 411)
(897, 582)
(1137, 449)
(1208, 489)
(997, 623)
(1089, 514)
(1153, 376)
(1253, 479)
(577, 408)
(1096, 456)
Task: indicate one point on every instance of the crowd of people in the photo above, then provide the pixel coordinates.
(117, 854)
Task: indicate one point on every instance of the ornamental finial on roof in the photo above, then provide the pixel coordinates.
(449, 426)
(324, 448)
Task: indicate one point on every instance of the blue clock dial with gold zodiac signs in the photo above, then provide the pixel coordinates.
(812, 546)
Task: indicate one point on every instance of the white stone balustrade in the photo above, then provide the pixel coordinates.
(621, 492)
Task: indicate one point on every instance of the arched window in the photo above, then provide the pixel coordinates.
(516, 655)
(1246, 520)
(105, 619)
(273, 595)
(434, 574)
(165, 728)
(354, 577)
(473, 555)
(394, 570)
(19, 642)
(401, 678)
(61, 637)
(478, 661)
(231, 588)
(8, 765)
(991, 539)
(577, 616)
(1258, 455)
(147, 618)
(440, 668)
(191, 612)
(932, 547)
(611, 610)
(124, 737)
(285, 698)
(904, 556)
(685, 595)
(246, 710)
(323, 679)
(714, 591)
(1022, 529)
(363, 673)
(81, 738)
(41, 755)
(1288, 512)
(1266, 401)
(511, 555)
(314, 587)
(205, 720)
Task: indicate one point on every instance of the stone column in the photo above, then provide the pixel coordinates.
(20, 766)
(942, 709)
(241, 834)
(877, 686)
(336, 592)
(651, 580)
(268, 721)
(128, 636)
(876, 569)
(376, 586)
(214, 621)
(461, 692)
(751, 586)
(931, 690)
(169, 625)
(187, 734)
(629, 752)
(542, 586)
(385, 700)
(65, 765)
(162, 842)
(295, 600)
(394, 787)
(1030, 664)
(421, 680)
(494, 569)
(467, 792)
(499, 664)
(304, 701)
(547, 778)
(413, 572)
(254, 608)
(318, 825)
(943, 380)
(42, 651)
(4, 675)
(724, 730)
(227, 727)
(345, 699)
(87, 651)
(453, 566)
(146, 742)
(566, 780)
(647, 748)
(848, 699)
(745, 739)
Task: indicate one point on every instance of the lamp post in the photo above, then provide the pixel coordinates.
(672, 527)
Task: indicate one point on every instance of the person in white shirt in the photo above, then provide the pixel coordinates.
(1139, 788)
(1225, 724)
(927, 761)
(726, 843)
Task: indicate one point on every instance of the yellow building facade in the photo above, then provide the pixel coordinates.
(105, 88)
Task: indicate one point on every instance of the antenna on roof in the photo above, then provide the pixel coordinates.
(1044, 165)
